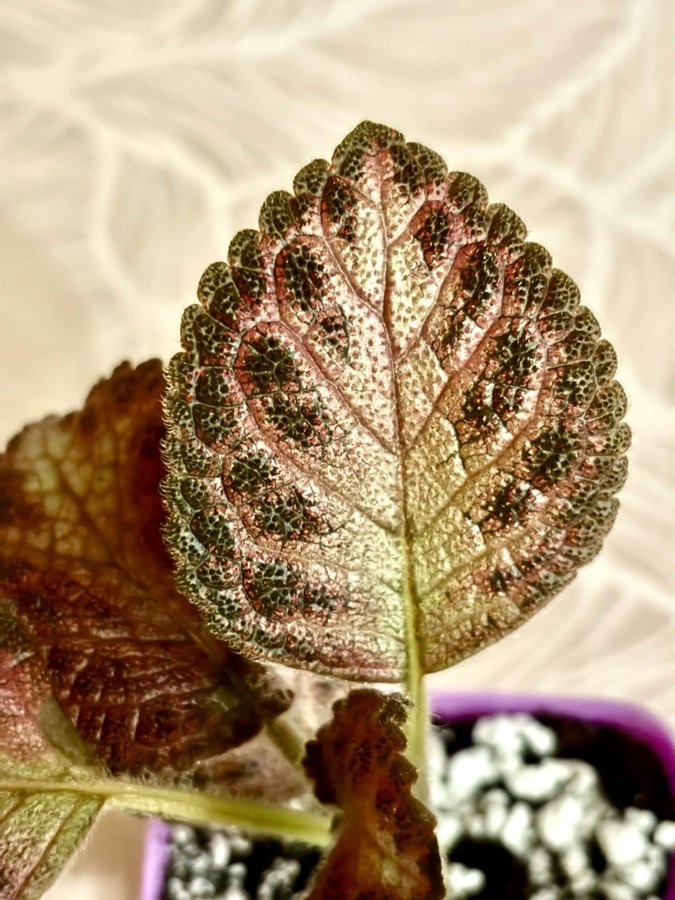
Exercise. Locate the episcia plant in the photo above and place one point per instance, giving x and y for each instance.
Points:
(391, 436)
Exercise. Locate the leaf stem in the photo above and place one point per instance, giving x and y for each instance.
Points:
(192, 806)
(416, 733)
(289, 743)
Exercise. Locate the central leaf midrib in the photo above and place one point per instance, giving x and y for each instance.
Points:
(413, 672)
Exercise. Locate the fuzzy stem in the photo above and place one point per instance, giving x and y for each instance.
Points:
(288, 742)
(193, 807)
(416, 733)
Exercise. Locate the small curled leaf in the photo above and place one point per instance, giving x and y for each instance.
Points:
(386, 848)
(394, 432)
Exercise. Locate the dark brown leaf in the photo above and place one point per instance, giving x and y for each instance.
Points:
(268, 766)
(83, 564)
(39, 828)
(386, 848)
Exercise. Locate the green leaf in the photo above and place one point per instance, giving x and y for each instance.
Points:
(394, 432)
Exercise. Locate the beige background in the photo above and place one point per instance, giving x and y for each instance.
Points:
(138, 137)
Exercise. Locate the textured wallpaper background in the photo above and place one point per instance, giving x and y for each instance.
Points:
(138, 137)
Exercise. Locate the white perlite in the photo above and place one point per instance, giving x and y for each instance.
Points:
(469, 770)
(621, 842)
(282, 873)
(548, 813)
(518, 834)
(565, 820)
(540, 866)
(234, 889)
(664, 836)
(463, 882)
(515, 732)
(547, 893)
(538, 782)
(220, 850)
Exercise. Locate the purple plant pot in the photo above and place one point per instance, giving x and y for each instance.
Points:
(457, 708)
(626, 717)
(155, 860)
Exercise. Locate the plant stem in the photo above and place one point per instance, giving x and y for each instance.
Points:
(416, 732)
(290, 824)
(193, 807)
(289, 743)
